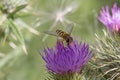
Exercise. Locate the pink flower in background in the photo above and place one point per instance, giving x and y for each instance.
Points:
(111, 19)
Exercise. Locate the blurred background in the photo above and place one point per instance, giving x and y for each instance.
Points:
(39, 16)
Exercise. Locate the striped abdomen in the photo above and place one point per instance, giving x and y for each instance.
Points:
(62, 34)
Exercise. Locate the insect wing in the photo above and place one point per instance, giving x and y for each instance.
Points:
(51, 33)
(69, 28)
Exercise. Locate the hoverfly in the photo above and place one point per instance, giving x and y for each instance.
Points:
(62, 34)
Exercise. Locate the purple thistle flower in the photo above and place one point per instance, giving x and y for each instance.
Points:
(67, 59)
(110, 19)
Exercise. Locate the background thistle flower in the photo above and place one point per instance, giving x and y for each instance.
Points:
(108, 46)
(64, 62)
(111, 19)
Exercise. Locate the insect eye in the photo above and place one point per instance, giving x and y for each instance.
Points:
(67, 40)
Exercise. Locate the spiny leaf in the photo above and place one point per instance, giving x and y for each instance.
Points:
(108, 55)
(17, 33)
(18, 8)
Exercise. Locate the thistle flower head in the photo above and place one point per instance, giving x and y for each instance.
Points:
(67, 59)
(110, 19)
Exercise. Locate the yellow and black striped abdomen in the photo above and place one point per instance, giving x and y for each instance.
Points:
(65, 36)
(62, 34)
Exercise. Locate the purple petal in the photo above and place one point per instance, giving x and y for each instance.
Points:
(64, 59)
(111, 21)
